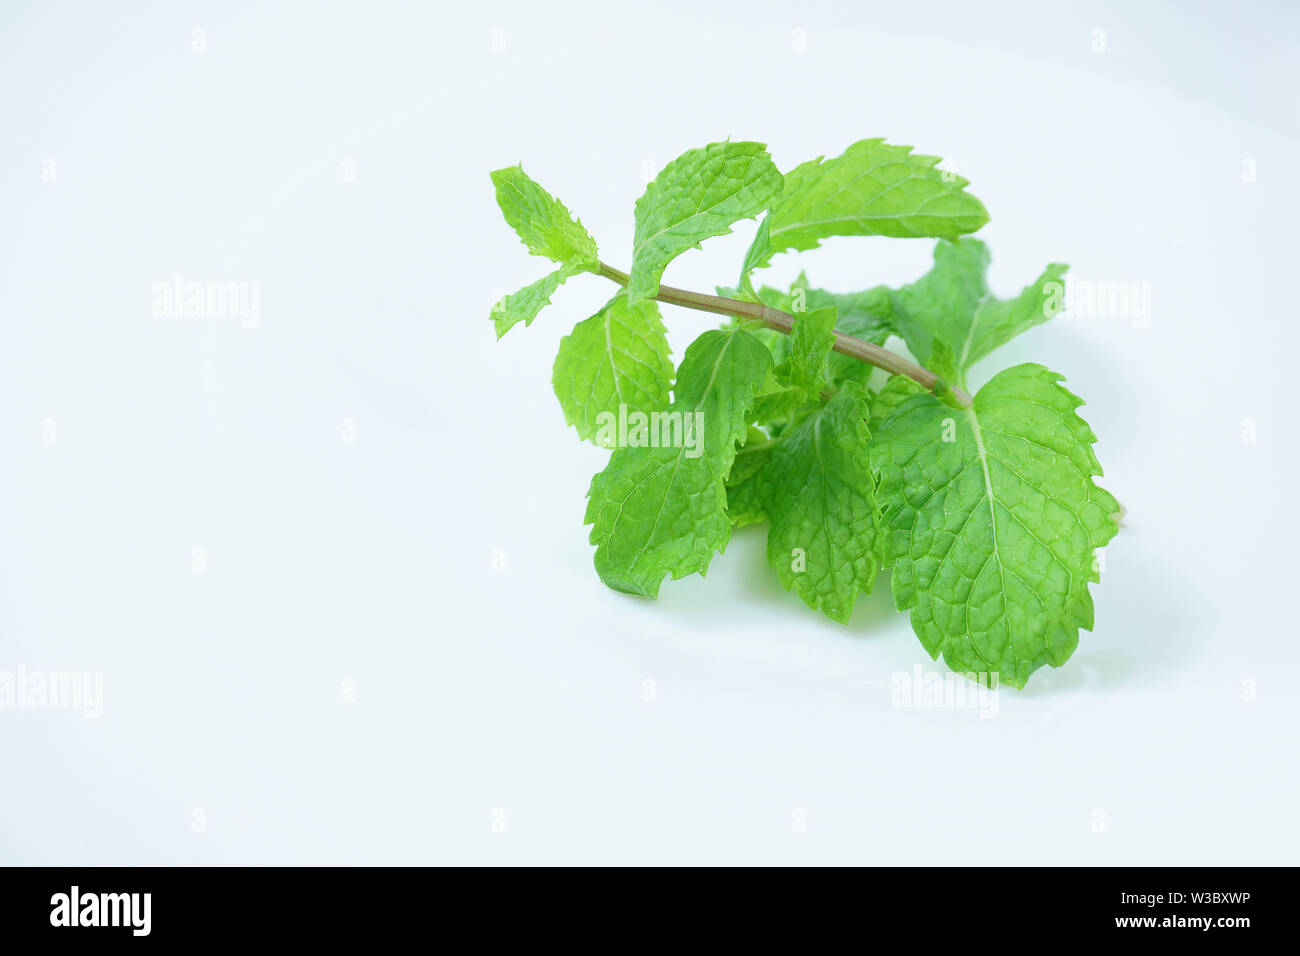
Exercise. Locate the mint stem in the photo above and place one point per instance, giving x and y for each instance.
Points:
(784, 322)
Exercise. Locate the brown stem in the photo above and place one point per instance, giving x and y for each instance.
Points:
(784, 322)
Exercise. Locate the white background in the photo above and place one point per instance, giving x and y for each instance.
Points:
(517, 696)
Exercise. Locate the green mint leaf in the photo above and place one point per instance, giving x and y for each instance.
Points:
(523, 306)
(662, 510)
(545, 226)
(948, 317)
(811, 341)
(865, 315)
(760, 251)
(696, 196)
(897, 389)
(873, 189)
(819, 493)
(993, 521)
(744, 494)
(614, 363)
(776, 398)
(778, 343)
(799, 373)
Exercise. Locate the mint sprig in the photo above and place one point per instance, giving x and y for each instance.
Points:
(984, 508)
